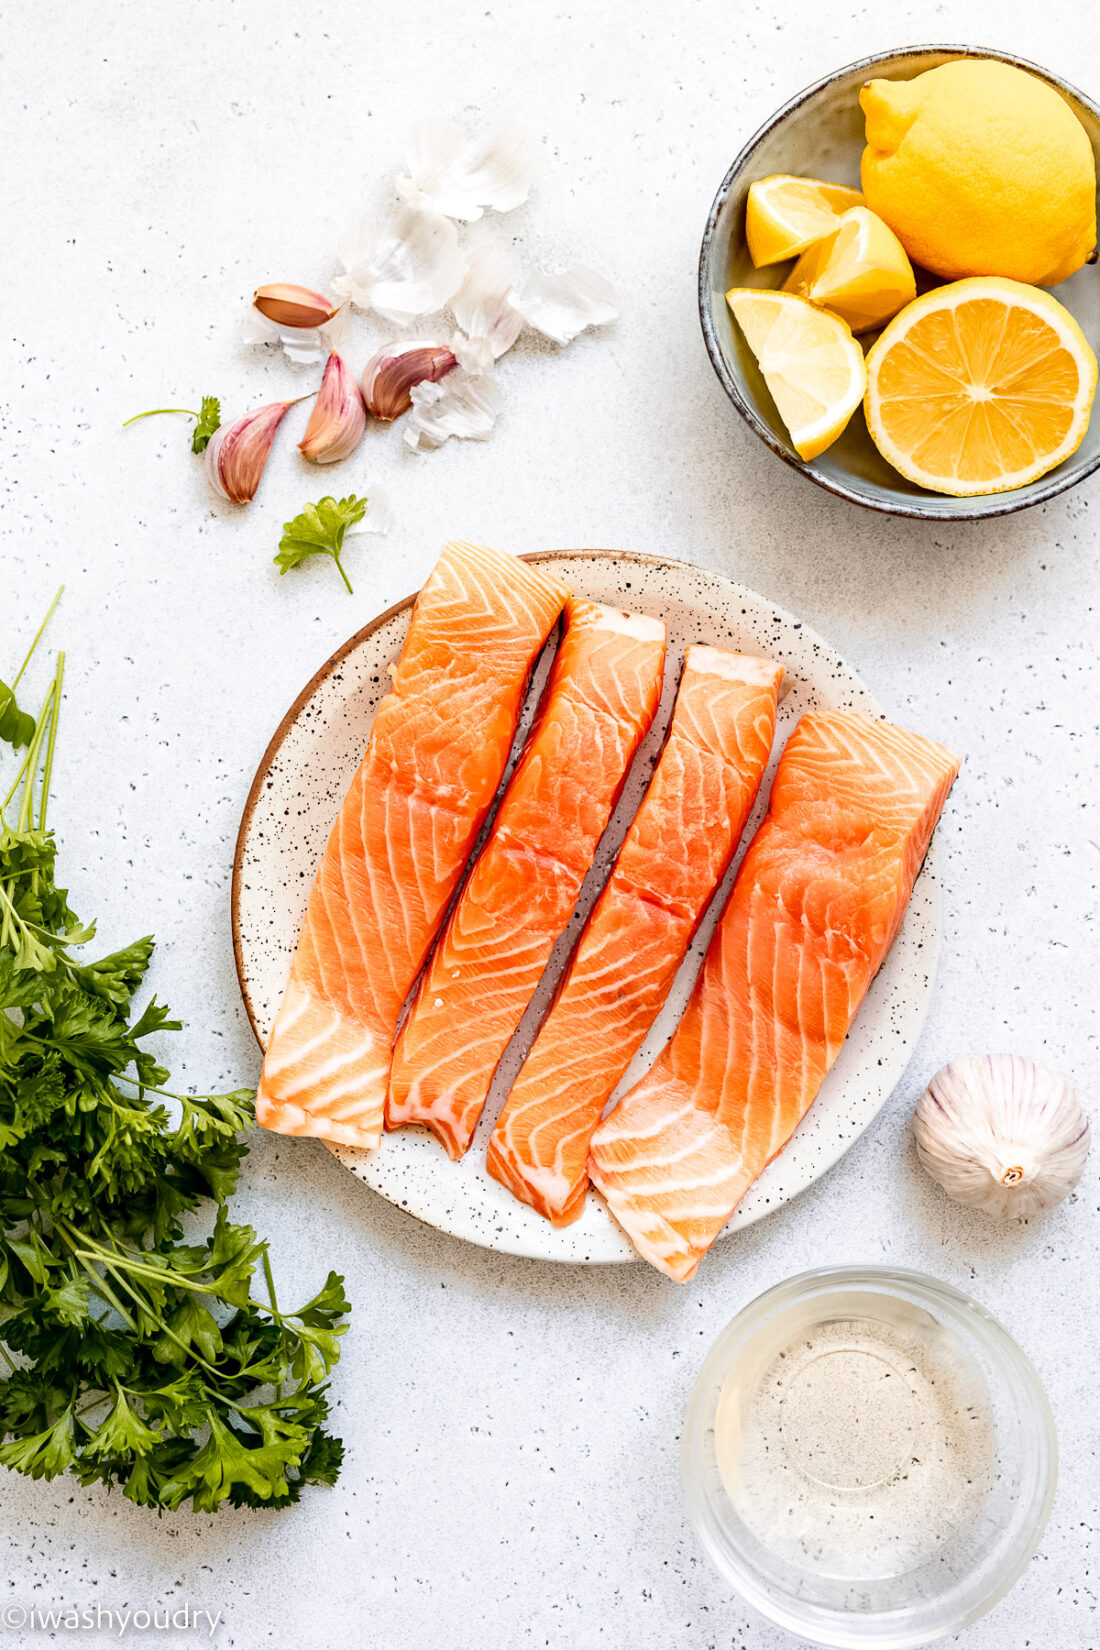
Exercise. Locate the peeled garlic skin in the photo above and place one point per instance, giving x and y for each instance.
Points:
(1002, 1134)
(338, 419)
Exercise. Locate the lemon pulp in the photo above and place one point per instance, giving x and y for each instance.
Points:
(810, 362)
(860, 272)
(980, 387)
(784, 215)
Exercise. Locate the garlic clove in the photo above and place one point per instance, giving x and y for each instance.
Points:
(389, 376)
(463, 405)
(1002, 1134)
(339, 417)
(561, 306)
(293, 306)
(481, 305)
(411, 266)
(459, 176)
(236, 453)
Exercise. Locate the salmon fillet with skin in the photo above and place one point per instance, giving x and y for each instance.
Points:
(602, 696)
(673, 857)
(817, 902)
(437, 751)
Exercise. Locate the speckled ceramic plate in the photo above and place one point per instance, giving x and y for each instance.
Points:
(293, 802)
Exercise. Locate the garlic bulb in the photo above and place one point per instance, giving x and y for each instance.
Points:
(1003, 1134)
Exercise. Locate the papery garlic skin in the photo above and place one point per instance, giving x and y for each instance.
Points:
(481, 305)
(474, 355)
(463, 405)
(411, 266)
(379, 516)
(338, 419)
(1002, 1134)
(236, 453)
(389, 376)
(561, 306)
(459, 176)
(293, 306)
(304, 346)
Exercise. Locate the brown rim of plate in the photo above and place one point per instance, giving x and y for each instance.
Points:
(332, 663)
(1005, 503)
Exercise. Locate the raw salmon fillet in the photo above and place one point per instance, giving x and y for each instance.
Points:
(435, 758)
(817, 902)
(675, 854)
(601, 698)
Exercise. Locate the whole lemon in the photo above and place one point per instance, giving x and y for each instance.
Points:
(981, 169)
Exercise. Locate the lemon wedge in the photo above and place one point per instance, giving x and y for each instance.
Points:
(860, 272)
(980, 387)
(811, 363)
(784, 215)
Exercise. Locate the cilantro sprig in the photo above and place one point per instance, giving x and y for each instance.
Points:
(133, 1357)
(319, 531)
(207, 420)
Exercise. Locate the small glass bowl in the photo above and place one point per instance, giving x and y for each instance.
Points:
(892, 1601)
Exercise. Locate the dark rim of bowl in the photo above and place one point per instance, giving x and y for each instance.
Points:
(999, 504)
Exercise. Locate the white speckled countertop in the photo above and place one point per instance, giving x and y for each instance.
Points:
(512, 1428)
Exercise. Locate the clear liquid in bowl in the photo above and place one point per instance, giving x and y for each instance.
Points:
(856, 1445)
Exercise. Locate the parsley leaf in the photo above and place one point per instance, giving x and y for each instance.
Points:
(319, 530)
(16, 726)
(135, 1358)
(208, 420)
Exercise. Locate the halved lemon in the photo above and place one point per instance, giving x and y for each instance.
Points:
(979, 387)
(860, 272)
(783, 215)
(811, 363)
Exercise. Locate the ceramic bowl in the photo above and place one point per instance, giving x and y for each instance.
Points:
(819, 134)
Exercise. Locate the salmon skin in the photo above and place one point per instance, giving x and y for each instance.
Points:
(673, 857)
(600, 700)
(817, 902)
(434, 760)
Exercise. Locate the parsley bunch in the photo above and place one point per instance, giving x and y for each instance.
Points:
(134, 1357)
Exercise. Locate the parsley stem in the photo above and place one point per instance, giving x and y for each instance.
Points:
(37, 639)
(26, 807)
(155, 412)
(343, 575)
(52, 741)
(102, 1287)
(122, 1262)
(147, 1088)
(29, 762)
(271, 1284)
